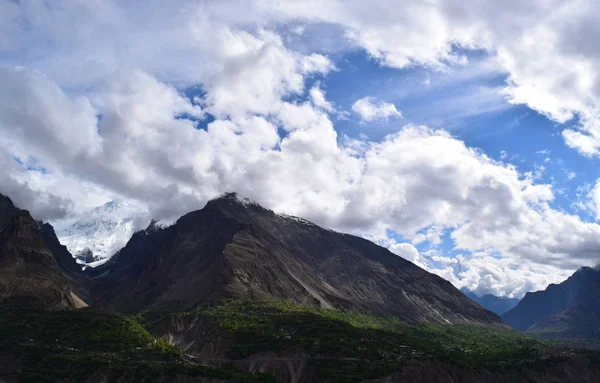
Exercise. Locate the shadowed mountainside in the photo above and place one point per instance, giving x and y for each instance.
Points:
(237, 249)
(29, 274)
(69, 267)
(498, 305)
(567, 310)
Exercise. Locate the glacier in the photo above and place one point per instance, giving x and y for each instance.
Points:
(103, 230)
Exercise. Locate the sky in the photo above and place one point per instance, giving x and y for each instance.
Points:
(462, 135)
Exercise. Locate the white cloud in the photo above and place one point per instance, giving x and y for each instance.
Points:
(595, 197)
(418, 182)
(317, 97)
(99, 106)
(369, 109)
(548, 52)
(17, 183)
(486, 274)
(410, 253)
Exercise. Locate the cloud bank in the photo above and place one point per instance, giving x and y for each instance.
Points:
(172, 105)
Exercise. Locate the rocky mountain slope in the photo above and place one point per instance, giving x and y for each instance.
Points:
(234, 248)
(68, 266)
(570, 309)
(498, 305)
(102, 231)
(29, 274)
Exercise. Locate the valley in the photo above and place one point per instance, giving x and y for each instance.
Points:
(237, 293)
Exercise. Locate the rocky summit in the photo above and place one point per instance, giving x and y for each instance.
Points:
(234, 248)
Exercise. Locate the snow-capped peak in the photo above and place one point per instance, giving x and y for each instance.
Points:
(104, 229)
(110, 206)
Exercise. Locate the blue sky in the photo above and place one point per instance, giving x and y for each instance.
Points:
(466, 101)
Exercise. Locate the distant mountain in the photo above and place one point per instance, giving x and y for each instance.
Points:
(102, 231)
(235, 248)
(570, 309)
(30, 277)
(499, 305)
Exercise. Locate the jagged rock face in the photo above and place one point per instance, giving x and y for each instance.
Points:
(68, 266)
(86, 256)
(233, 248)
(29, 274)
(569, 309)
(63, 258)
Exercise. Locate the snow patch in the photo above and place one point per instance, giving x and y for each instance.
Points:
(104, 229)
(296, 219)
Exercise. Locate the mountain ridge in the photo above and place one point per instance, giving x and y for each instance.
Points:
(568, 309)
(234, 248)
(30, 276)
(496, 304)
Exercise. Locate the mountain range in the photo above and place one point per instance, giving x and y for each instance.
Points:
(498, 305)
(235, 292)
(107, 228)
(570, 309)
(237, 249)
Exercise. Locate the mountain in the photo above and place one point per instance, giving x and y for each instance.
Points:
(233, 248)
(70, 269)
(498, 305)
(29, 274)
(103, 230)
(567, 310)
(291, 284)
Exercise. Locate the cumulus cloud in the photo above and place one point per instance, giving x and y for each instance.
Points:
(418, 182)
(16, 183)
(317, 96)
(410, 253)
(548, 52)
(102, 107)
(369, 109)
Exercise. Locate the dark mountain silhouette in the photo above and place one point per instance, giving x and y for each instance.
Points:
(68, 266)
(29, 274)
(498, 305)
(569, 309)
(234, 248)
